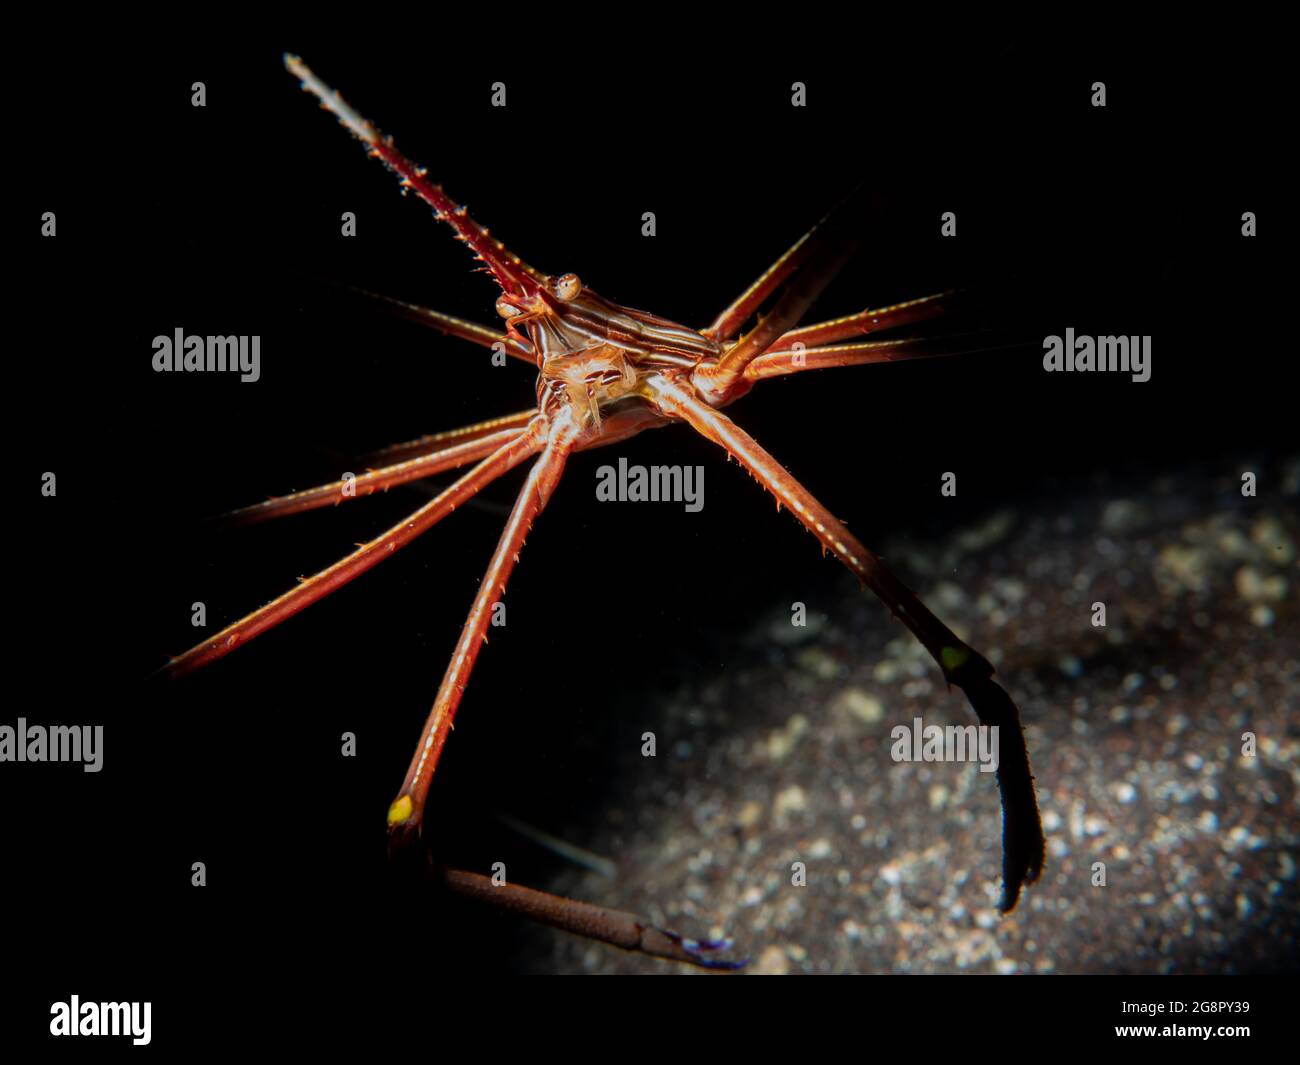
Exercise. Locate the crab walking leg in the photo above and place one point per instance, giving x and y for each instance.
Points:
(722, 380)
(427, 445)
(364, 484)
(449, 325)
(364, 558)
(618, 427)
(512, 273)
(728, 323)
(1022, 834)
(615, 927)
(406, 813)
(778, 363)
(677, 401)
(869, 321)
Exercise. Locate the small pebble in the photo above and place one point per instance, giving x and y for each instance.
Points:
(791, 800)
(862, 705)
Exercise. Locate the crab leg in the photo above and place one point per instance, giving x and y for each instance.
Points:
(434, 442)
(512, 273)
(364, 484)
(868, 321)
(616, 927)
(1022, 831)
(618, 427)
(406, 813)
(728, 323)
(722, 380)
(449, 325)
(777, 363)
(364, 558)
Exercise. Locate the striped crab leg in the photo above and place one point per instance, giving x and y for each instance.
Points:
(448, 438)
(875, 320)
(433, 454)
(406, 813)
(1022, 833)
(366, 557)
(779, 363)
(450, 325)
(728, 323)
(380, 480)
(618, 928)
(821, 258)
(514, 276)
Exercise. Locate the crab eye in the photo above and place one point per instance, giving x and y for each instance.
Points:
(568, 287)
(507, 309)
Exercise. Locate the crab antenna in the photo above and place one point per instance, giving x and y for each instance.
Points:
(513, 275)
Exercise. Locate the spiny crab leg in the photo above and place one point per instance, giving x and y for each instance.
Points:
(433, 442)
(513, 275)
(779, 363)
(449, 325)
(869, 321)
(617, 427)
(503, 454)
(364, 484)
(1022, 830)
(364, 558)
(406, 814)
(723, 380)
(615, 927)
(728, 323)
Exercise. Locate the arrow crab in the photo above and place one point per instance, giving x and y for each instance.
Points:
(606, 373)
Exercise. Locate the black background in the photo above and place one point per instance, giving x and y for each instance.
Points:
(226, 219)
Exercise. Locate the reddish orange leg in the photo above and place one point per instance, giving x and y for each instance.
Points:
(615, 927)
(514, 275)
(364, 484)
(817, 256)
(868, 321)
(406, 814)
(725, 380)
(778, 363)
(364, 558)
(1022, 834)
(427, 445)
(728, 323)
(449, 325)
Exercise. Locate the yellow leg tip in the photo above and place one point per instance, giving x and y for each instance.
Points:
(400, 810)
